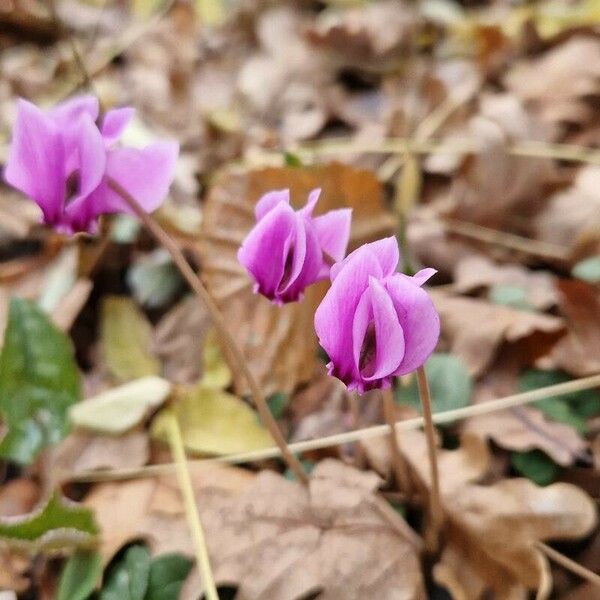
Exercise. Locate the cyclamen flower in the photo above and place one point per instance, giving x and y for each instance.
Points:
(288, 250)
(375, 323)
(63, 161)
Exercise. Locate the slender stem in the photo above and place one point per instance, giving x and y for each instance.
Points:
(191, 509)
(218, 320)
(398, 461)
(447, 416)
(569, 564)
(437, 515)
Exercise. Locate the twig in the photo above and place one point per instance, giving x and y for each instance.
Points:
(437, 515)
(398, 461)
(191, 510)
(569, 564)
(225, 337)
(366, 433)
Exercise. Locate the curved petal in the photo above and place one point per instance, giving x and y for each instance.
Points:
(145, 173)
(114, 123)
(263, 252)
(334, 317)
(333, 232)
(418, 318)
(298, 249)
(36, 161)
(69, 112)
(386, 251)
(312, 262)
(389, 337)
(269, 201)
(313, 198)
(422, 276)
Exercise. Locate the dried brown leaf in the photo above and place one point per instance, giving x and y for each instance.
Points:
(475, 329)
(279, 343)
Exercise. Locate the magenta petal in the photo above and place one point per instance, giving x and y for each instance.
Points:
(313, 198)
(69, 112)
(333, 232)
(36, 161)
(335, 315)
(269, 201)
(146, 174)
(265, 248)
(418, 318)
(423, 276)
(385, 251)
(115, 122)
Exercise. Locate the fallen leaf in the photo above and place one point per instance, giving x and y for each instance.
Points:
(475, 329)
(474, 272)
(578, 352)
(214, 422)
(80, 575)
(278, 342)
(88, 452)
(116, 410)
(56, 526)
(17, 497)
(126, 337)
(39, 382)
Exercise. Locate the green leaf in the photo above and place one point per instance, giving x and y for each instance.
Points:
(277, 403)
(154, 279)
(535, 465)
(128, 579)
(572, 408)
(213, 422)
(588, 270)
(126, 336)
(167, 575)
(39, 381)
(117, 410)
(509, 295)
(449, 383)
(291, 159)
(58, 525)
(80, 575)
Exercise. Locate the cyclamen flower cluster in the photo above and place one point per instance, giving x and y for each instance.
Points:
(374, 322)
(64, 161)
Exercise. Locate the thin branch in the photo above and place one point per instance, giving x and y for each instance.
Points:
(448, 416)
(569, 564)
(437, 513)
(191, 510)
(225, 337)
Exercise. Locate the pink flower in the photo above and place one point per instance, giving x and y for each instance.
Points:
(288, 250)
(375, 323)
(62, 160)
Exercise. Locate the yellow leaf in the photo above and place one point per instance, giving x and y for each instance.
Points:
(216, 372)
(119, 409)
(125, 336)
(214, 422)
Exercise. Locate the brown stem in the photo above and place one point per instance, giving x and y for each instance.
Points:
(437, 515)
(398, 461)
(163, 238)
(569, 564)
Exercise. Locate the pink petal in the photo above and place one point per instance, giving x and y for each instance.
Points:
(313, 198)
(115, 122)
(269, 201)
(36, 161)
(265, 248)
(385, 251)
(69, 112)
(418, 318)
(423, 276)
(389, 337)
(333, 232)
(334, 317)
(146, 174)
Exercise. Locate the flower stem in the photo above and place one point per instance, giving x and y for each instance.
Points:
(437, 515)
(191, 510)
(218, 320)
(398, 462)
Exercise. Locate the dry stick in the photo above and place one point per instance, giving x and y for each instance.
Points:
(163, 238)
(191, 510)
(398, 460)
(447, 416)
(569, 564)
(437, 515)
